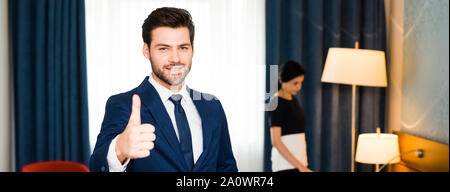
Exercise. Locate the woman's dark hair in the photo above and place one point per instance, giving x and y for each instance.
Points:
(289, 70)
(167, 17)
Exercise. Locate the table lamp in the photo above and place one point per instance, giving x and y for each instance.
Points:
(354, 67)
(377, 148)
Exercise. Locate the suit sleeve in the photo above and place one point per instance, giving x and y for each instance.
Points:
(226, 161)
(114, 122)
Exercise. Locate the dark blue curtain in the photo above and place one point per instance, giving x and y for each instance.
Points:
(304, 30)
(50, 84)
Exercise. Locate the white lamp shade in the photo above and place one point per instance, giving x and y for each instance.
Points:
(355, 67)
(375, 148)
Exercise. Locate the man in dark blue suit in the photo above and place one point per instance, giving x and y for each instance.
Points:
(162, 125)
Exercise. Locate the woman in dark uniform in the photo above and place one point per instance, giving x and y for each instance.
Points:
(287, 122)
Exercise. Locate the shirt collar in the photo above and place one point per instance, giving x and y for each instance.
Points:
(165, 93)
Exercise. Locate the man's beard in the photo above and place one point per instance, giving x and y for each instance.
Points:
(167, 78)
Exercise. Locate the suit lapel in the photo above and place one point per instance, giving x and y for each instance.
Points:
(202, 109)
(152, 102)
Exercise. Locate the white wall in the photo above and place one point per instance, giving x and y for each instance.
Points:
(394, 23)
(5, 142)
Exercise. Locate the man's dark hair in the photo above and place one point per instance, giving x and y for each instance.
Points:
(167, 17)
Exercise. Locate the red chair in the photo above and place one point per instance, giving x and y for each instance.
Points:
(55, 166)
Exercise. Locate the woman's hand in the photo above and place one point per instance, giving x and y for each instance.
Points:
(304, 169)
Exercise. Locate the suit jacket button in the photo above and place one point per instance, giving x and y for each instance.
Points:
(102, 169)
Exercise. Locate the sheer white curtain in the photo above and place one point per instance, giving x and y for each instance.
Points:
(6, 142)
(228, 61)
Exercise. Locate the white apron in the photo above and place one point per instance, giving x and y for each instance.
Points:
(296, 143)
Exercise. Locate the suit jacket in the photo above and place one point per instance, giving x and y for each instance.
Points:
(166, 156)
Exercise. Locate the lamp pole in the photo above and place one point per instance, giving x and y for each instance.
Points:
(377, 166)
(353, 125)
(354, 118)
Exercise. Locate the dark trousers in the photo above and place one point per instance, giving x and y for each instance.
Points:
(289, 170)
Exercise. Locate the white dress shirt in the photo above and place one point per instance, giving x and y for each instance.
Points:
(192, 115)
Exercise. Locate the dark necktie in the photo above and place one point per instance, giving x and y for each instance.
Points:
(184, 131)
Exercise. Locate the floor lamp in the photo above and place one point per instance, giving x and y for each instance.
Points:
(354, 67)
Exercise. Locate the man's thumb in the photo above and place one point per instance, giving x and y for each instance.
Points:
(135, 117)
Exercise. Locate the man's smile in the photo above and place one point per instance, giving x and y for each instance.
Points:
(175, 69)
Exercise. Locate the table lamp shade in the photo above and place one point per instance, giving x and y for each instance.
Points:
(355, 67)
(376, 148)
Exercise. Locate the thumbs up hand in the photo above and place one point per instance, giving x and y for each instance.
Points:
(136, 140)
